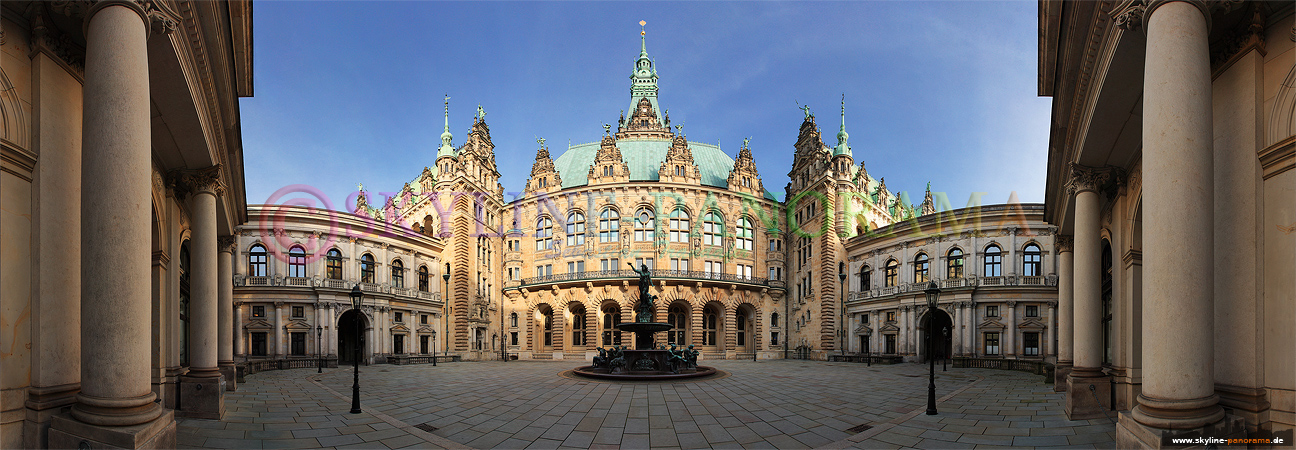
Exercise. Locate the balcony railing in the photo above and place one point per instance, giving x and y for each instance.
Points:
(656, 273)
(330, 283)
(955, 283)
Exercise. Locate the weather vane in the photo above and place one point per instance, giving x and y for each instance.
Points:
(541, 141)
(607, 129)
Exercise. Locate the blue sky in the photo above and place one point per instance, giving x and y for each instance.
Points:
(351, 92)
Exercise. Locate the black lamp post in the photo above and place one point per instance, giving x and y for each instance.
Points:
(933, 295)
(445, 311)
(356, 297)
(944, 354)
(319, 348)
(841, 321)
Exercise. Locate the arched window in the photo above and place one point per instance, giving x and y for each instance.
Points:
(333, 263)
(546, 317)
(712, 229)
(774, 320)
(609, 225)
(423, 279)
(954, 264)
(744, 238)
(513, 320)
(578, 325)
(741, 321)
(297, 262)
(611, 317)
(993, 261)
(645, 225)
(1031, 261)
(865, 275)
(544, 233)
(679, 225)
(575, 229)
(892, 273)
(710, 325)
(678, 319)
(398, 274)
(367, 268)
(257, 261)
(921, 268)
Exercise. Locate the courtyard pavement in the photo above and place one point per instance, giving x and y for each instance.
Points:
(533, 404)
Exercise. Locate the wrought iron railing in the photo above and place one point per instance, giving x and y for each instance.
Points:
(590, 275)
(954, 283)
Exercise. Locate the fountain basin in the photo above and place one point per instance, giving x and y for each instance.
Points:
(643, 332)
(644, 365)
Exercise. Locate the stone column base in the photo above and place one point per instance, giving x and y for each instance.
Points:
(66, 432)
(43, 403)
(230, 374)
(1060, 373)
(202, 397)
(1080, 397)
(1131, 434)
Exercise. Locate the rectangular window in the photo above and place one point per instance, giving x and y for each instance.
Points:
(258, 311)
(400, 317)
(774, 338)
(992, 311)
(298, 344)
(713, 269)
(398, 343)
(258, 344)
(890, 344)
(1032, 310)
(992, 343)
(423, 319)
(610, 264)
(1030, 344)
(575, 266)
(639, 262)
(513, 338)
(299, 311)
(891, 316)
(544, 271)
(423, 344)
(679, 264)
(744, 271)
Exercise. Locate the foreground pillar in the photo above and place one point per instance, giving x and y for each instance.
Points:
(225, 334)
(1178, 307)
(1065, 316)
(115, 407)
(1088, 388)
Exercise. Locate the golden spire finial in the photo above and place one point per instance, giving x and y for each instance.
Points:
(641, 30)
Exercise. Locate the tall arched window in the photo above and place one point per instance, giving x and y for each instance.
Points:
(993, 261)
(1031, 261)
(710, 325)
(297, 262)
(611, 317)
(678, 318)
(921, 268)
(578, 325)
(423, 278)
(257, 261)
(546, 317)
(645, 225)
(367, 268)
(398, 274)
(575, 229)
(741, 322)
(712, 229)
(865, 275)
(954, 264)
(333, 263)
(513, 320)
(744, 238)
(544, 233)
(774, 320)
(892, 273)
(609, 225)
(679, 225)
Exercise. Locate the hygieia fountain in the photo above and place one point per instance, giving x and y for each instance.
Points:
(645, 361)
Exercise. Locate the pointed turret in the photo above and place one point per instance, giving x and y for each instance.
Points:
(544, 176)
(928, 205)
(608, 165)
(744, 177)
(842, 147)
(646, 119)
(447, 149)
(679, 166)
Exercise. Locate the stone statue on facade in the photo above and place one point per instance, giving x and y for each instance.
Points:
(643, 310)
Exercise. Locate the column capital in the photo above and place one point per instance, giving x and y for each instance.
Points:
(278, 304)
(1064, 243)
(1095, 179)
(1134, 15)
(226, 244)
(159, 18)
(196, 181)
(1011, 304)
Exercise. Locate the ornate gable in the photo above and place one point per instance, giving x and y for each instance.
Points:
(991, 324)
(644, 123)
(608, 166)
(544, 176)
(744, 178)
(679, 166)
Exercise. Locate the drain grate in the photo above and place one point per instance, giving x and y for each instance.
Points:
(859, 428)
(426, 427)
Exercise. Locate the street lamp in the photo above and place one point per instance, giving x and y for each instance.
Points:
(933, 296)
(356, 297)
(841, 321)
(319, 347)
(445, 312)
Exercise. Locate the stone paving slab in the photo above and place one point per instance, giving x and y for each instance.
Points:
(760, 404)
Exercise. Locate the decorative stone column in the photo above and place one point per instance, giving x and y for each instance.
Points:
(1087, 379)
(1010, 341)
(202, 389)
(1178, 191)
(115, 407)
(969, 321)
(1048, 347)
(225, 332)
(276, 348)
(1065, 320)
(238, 332)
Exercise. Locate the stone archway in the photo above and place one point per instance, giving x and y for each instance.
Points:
(351, 333)
(942, 347)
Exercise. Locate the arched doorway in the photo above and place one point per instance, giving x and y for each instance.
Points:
(745, 329)
(943, 327)
(351, 333)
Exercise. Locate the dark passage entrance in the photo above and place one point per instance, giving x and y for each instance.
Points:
(350, 335)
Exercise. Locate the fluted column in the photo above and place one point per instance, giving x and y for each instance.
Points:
(115, 201)
(1178, 307)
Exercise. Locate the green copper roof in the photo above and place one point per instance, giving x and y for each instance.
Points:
(645, 157)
